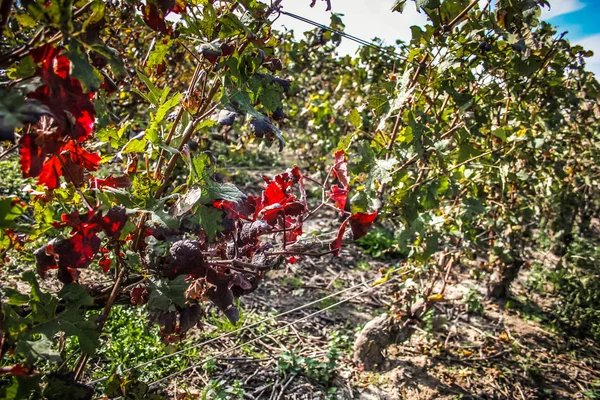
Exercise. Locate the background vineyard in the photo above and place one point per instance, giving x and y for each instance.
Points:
(202, 207)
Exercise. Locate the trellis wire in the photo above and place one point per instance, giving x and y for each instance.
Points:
(360, 41)
(224, 352)
(271, 318)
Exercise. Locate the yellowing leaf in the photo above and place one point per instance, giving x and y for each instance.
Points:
(466, 353)
(385, 278)
(436, 297)
(355, 118)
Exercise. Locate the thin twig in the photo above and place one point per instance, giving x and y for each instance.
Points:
(289, 381)
(456, 20)
(80, 366)
(294, 253)
(406, 164)
(8, 151)
(177, 119)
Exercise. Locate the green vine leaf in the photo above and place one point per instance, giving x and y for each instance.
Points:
(429, 4)
(210, 219)
(165, 293)
(82, 70)
(38, 350)
(221, 191)
(157, 55)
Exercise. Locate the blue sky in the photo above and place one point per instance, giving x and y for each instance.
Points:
(369, 18)
(581, 18)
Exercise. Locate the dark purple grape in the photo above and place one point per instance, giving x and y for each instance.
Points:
(210, 52)
(278, 114)
(226, 117)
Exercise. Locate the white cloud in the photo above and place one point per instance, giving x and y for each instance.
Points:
(561, 7)
(591, 43)
(364, 19)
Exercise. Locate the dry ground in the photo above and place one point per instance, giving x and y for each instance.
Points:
(506, 352)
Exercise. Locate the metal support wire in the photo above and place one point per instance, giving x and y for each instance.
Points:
(360, 41)
(224, 352)
(272, 318)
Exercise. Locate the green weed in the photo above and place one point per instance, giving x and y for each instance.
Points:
(292, 281)
(130, 342)
(319, 371)
(378, 242)
(575, 282)
(328, 303)
(221, 390)
(363, 265)
(474, 302)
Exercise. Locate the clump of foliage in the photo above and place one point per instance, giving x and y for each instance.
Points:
(220, 390)
(130, 342)
(575, 282)
(471, 138)
(112, 109)
(11, 182)
(465, 140)
(377, 242)
(473, 302)
(314, 369)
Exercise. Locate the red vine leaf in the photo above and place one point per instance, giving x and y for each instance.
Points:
(44, 260)
(339, 196)
(361, 222)
(274, 193)
(52, 155)
(70, 160)
(270, 213)
(122, 182)
(139, 295)
(293, 228)
(336, 245)
(185, 258)
(78, 251)
(72, 109)
(74, 161)
(340, 168)
(51, 173)
(221, 295)
(32, 156)
(17, 369)
(189, 317)
(75, 219)
(114, 221)
(105, 263)
(155, 18)
(277, 199)
(236, 211)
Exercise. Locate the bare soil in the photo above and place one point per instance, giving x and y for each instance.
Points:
(502, 353)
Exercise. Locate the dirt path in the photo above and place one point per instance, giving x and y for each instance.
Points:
(468, 348)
